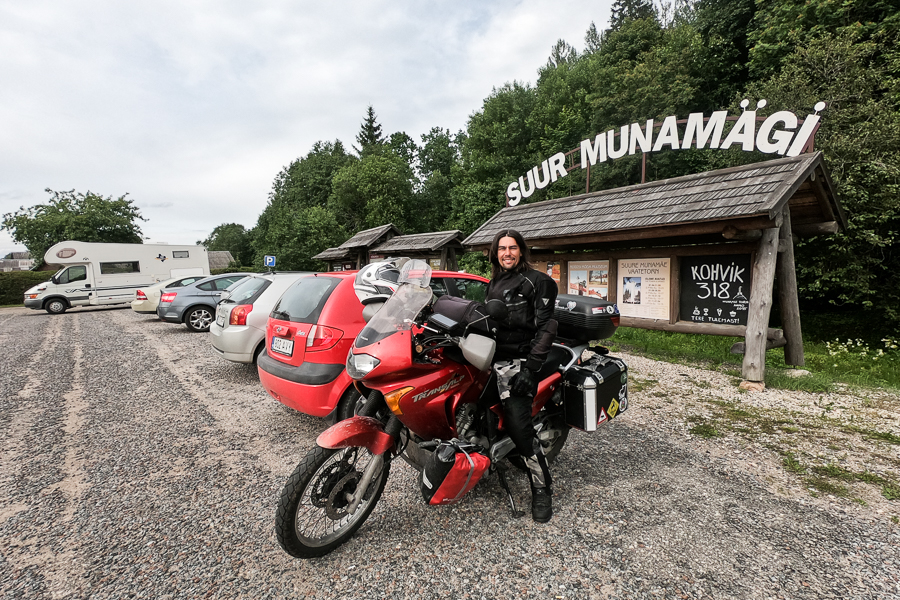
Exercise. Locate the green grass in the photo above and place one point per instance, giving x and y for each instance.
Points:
(714, 352)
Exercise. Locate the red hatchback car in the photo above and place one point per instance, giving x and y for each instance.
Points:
(310, 332)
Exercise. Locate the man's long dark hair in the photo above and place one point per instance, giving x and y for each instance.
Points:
(524, 260)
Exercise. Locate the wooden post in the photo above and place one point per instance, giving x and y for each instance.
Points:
(674, 288)
(612, 288)
(763, 282)
(563, 285)
(787, 296)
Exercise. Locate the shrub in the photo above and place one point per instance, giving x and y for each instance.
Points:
(14, 283)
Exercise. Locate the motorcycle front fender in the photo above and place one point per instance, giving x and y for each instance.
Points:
(365, 432)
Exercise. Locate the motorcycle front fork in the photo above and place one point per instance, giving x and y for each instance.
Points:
(392, 428)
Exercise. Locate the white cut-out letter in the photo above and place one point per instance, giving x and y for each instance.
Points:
(592, 153)
(530, 189)
(611, 141)
(782, 138)
(806, 130)
(668, 134)
(538, 182)
(557, 166)
(744, 131)
(513, 194)
(695, 128)
(644, 138)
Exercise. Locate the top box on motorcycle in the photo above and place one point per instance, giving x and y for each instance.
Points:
(583, 318)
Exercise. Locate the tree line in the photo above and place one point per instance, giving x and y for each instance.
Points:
(652, 62)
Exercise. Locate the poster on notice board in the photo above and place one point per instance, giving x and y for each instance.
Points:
(589, 278)
(643, 288)
(551, 268)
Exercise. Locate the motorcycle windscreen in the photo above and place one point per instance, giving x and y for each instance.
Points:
(397, 314)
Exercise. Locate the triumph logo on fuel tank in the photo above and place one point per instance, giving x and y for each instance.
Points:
(775, 135)
(452, 383)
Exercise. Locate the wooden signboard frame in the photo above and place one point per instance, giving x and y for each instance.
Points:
(771, 254)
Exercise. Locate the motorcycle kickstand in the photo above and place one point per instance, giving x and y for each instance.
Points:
(516, 513)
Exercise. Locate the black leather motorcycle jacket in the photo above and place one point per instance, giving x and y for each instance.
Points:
(529, 329)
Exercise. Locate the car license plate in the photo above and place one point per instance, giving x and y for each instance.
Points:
(220, 320)
(283, 346)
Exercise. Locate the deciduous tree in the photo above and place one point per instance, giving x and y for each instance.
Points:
(74, 216)
(235, 239)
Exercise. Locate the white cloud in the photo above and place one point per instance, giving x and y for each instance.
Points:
(193, 108)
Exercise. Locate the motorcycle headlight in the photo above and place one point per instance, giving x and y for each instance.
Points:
(360, 365)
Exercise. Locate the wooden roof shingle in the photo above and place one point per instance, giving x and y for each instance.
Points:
(369, 236)
(334, 254)
(747, 196)
(419, 242)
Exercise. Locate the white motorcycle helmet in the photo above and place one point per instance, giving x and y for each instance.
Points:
(378, 279)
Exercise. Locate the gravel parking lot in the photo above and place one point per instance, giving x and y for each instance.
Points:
(136, 463)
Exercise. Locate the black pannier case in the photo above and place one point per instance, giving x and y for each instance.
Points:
(595, 392)
(585, 318)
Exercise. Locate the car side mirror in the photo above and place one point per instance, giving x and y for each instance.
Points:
(54, 280)
(497, 309)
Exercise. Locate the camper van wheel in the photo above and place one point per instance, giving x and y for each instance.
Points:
(198, 319)
(56, 306)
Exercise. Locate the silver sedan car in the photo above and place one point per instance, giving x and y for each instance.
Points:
(239, 330)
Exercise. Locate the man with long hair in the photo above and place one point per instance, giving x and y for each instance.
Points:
(524, 339)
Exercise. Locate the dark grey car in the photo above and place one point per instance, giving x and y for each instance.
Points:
(195, 304)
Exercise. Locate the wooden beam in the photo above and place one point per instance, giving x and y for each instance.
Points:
(749, 235)
(657, 232)
(788, 301)
(695, 328)
(733, 248)
(763, 282)
(811, 229)
(738, 347)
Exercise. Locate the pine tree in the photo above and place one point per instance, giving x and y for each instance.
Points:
(369, 136)
(629, 10)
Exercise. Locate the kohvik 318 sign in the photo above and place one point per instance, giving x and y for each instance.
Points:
(775, 135)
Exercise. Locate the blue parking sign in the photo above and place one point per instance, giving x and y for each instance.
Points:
(269, 261)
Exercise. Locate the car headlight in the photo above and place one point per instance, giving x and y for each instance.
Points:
(360, 365)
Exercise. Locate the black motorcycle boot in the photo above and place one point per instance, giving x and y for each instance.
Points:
(541, 504)
(541, 493)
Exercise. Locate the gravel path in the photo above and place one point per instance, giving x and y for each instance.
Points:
(136, 463)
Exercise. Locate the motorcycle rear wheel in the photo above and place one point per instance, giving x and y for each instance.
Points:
(312, 519)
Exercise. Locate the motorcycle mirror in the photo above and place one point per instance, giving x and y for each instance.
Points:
(379, 299)
(497, 309)
(370, 309)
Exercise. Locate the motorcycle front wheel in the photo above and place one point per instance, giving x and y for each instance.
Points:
(313, 517)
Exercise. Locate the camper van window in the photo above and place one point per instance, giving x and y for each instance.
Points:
(73, 274)
(113, 268)
(180, 254)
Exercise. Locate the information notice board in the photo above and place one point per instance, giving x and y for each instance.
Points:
(715, 289)
(643, 288)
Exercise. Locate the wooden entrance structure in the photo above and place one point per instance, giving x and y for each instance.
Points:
(650, 247)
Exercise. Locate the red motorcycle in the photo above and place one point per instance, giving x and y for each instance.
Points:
(423, 367)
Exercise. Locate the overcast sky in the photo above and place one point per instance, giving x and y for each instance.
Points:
(192, 108)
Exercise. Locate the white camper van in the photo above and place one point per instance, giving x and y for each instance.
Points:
(96, 274)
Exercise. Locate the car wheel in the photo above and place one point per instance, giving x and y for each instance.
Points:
(56, 306)
(349, 404)
(258, 351)
(198, 319)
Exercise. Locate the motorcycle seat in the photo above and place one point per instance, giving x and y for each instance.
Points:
(556, 358)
